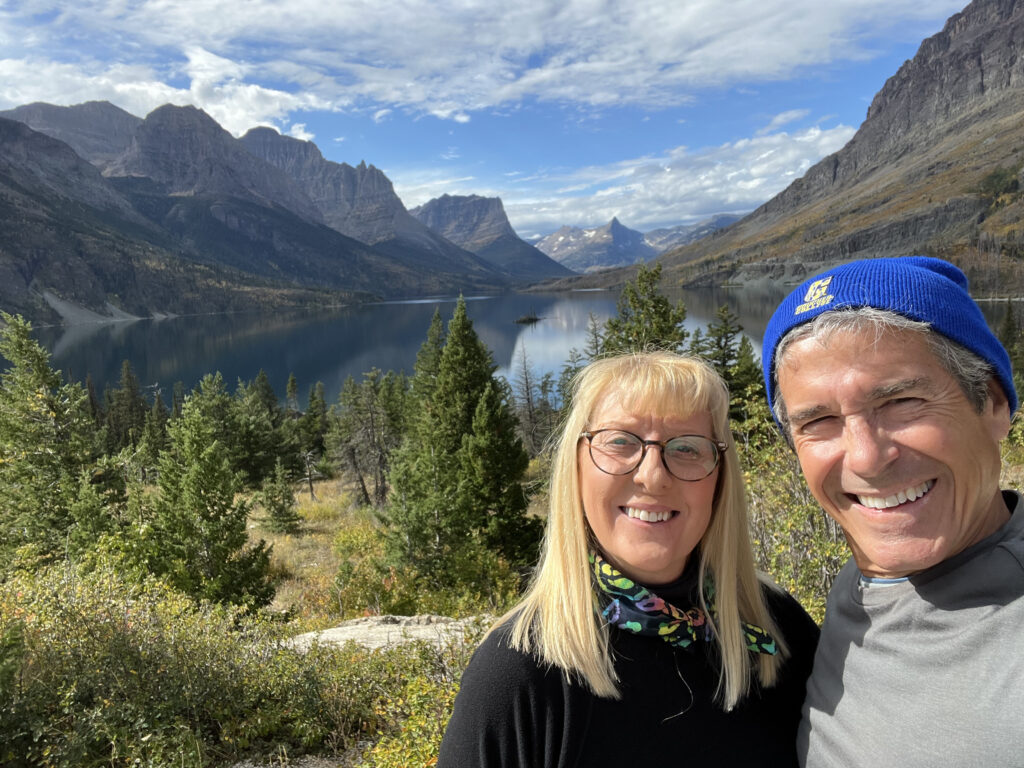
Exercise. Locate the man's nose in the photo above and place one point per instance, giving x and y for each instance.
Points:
(868, 450)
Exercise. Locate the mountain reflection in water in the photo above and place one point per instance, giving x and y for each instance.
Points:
(329, 345)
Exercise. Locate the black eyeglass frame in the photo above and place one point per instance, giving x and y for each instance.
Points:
(718, 445)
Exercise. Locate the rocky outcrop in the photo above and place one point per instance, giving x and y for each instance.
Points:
(48, 166)
(480, 224)
(360, 202)
(672, 237)
(470, 221)
(187, 152)
(585, 250)
(96, 130)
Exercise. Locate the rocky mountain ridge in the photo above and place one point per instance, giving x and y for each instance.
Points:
(584, 250)
(480, 224)
(360, 202)
(909, 179)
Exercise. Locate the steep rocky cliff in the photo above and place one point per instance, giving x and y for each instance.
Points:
(909, 181)
(186, 152)
(97, 130)
(480, 224)
(361, 203)
(72, 247)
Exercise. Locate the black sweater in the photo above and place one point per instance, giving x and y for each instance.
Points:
(514, 711)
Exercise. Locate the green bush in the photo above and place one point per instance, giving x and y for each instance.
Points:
(96, 670)
(794, 540)
(369, 583)
(414, 718)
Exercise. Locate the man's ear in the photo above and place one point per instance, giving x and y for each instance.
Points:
(998, 408)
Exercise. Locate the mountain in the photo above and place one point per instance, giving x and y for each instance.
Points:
(75, 249)
(183, 200)
(186, 153)
(97, 130)
(673, 237)
(361, 203)
(480, 225)
(935, 168)
(585, 250)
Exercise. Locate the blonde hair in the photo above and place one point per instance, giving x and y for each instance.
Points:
(558, 620)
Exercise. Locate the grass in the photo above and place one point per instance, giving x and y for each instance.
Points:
(306, 562)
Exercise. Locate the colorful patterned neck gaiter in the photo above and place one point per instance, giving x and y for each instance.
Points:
(634, 608)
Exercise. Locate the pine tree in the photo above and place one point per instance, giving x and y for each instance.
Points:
(46, 445)
(366, 428)
(198, 539)
(126, 411)
(646, 320)
(278, 501)
(432, 522)
(154, 438)
(255, 436)
(313, 424)
(291, 394)
(490, 495)
(427, 365)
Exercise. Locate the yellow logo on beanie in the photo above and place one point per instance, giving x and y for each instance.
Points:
(817, 296)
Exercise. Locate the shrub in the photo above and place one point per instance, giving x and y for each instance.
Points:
(96, 670)
(369, 583)
(414, 717)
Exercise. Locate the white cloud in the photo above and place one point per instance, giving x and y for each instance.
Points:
(681, 187)
(380, 115)
(298, 131)
(263, 59)
(784, 118)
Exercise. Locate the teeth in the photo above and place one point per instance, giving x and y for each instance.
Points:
(648, 517)
(877, 502)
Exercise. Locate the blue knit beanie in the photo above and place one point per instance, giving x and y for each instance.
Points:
(919, 287)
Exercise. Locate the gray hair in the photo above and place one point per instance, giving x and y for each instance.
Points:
(969, 370)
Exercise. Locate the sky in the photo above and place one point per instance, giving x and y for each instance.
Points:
(657, 112)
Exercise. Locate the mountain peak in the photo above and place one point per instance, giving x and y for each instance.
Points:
(479, 224)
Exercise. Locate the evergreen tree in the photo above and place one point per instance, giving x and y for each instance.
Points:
(198, 539)
(154, 438)
(126, 411)
(366, 428)
(646, 320)
(255, 437)
(313, 424)
(432, 521)
(177, 399)
(428, 365)
(465, 369)
(291, 394)
(278, 501)
(490, 495)
(46, 445)
(721, 344)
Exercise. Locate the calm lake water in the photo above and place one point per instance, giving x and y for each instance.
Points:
(329, 345)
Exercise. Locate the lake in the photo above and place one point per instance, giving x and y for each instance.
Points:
(329, 345)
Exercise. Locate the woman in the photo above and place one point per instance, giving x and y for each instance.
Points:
(646, 633)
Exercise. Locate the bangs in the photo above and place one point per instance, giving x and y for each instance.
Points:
(661, 385)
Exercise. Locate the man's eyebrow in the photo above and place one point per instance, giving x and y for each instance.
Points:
(881, 392)
(897, 388)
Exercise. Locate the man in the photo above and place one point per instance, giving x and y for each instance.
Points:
(895, 395)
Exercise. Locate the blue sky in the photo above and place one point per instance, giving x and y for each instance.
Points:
(659, 113)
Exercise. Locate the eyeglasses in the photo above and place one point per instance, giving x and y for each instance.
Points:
(687, 457)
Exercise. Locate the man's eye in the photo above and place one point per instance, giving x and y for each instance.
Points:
(816, 426)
